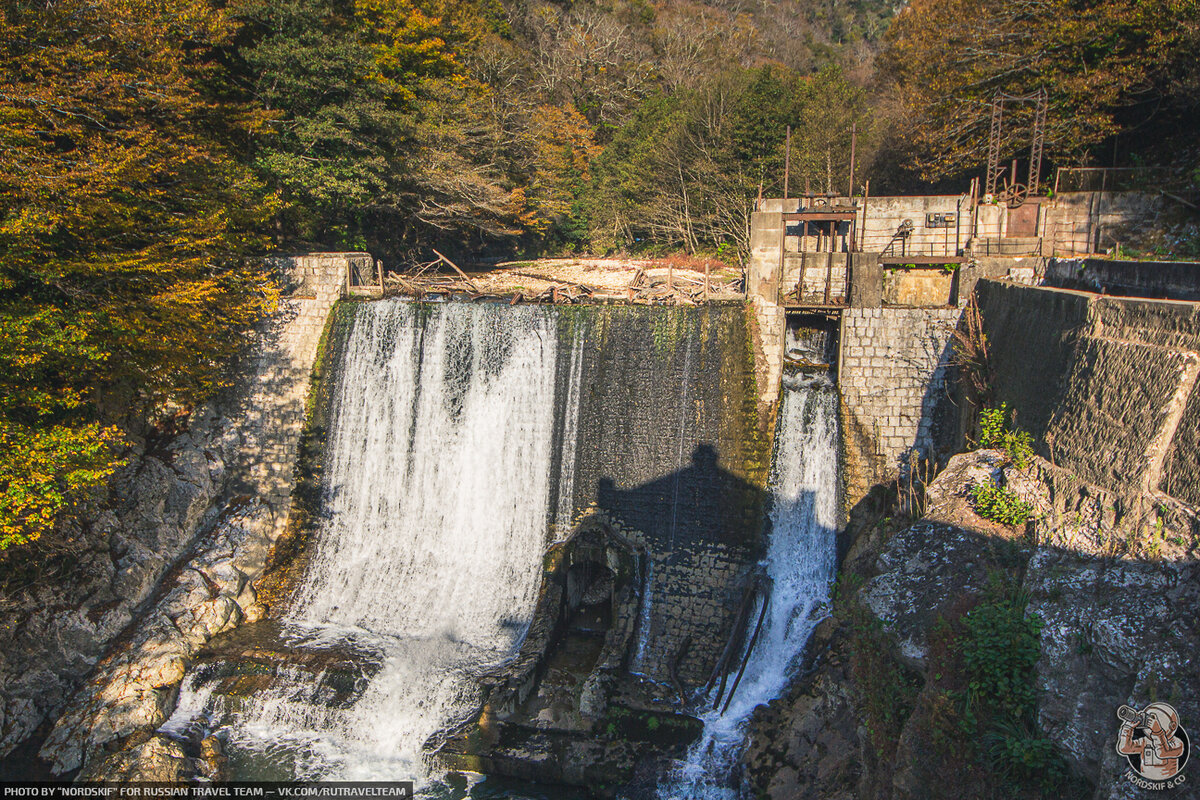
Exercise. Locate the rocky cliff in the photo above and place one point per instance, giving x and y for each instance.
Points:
(174, 543)
(970, 658)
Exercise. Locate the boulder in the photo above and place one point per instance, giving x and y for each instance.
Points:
(922, 570)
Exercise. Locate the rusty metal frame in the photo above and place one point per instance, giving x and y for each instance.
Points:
(995, 171)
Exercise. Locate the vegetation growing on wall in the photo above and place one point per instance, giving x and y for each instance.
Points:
(999, 504)
(995, 432)
(980, 705)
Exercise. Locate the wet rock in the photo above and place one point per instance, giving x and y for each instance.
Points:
(809, 743)
(213, 764)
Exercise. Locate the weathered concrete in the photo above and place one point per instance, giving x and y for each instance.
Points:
(762, 290)
(885, 214)
(1173, 280)
(1107, 386)
(1092, 222)
(918, 287)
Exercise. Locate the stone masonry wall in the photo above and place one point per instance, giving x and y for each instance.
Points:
(274, 400)
(892, 376)
(1107, 385)
(133, 689)
(669, 445)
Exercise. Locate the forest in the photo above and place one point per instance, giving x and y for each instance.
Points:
(154, 150)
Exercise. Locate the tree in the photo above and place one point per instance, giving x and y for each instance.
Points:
(124, 217)
(1106, 65)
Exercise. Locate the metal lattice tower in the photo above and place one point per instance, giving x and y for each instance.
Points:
(994, 170)
(1016, 194)
(1039, 141)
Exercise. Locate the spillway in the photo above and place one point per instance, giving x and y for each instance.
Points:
(800, 563)
(462, 441)
(428, 553)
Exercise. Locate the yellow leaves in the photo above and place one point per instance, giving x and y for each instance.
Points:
(43, 471)
(124, 216)
(564, 147)
(406, 43)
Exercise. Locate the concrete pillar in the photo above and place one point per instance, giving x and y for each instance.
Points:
(866, 280)
(766, 248)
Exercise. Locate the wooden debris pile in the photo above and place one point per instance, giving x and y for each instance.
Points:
(424, 282)
(674, 290)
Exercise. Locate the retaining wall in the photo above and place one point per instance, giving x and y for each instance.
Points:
(1106, 385)
(1174, 280)
(892, 374)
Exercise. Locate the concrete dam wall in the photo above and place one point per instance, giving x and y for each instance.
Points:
(451, 445)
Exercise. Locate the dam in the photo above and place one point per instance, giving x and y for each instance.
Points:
(464, 442)
(503, 549)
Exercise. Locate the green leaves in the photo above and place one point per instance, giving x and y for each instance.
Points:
(995, 433)
(999, 504)
(125, 210)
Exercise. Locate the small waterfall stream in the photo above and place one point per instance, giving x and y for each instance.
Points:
(800, 561)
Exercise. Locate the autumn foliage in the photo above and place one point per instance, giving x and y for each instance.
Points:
(125, 211)
(1109, 67)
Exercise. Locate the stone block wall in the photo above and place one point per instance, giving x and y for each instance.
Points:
(670, 447)
(274, 398)
(1107, 386)
(892, 376)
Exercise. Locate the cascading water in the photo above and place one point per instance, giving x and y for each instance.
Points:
(429, 553)
(800, 562)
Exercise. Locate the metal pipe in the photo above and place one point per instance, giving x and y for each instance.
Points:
(749, 650)
(787, 163)
(853, 143)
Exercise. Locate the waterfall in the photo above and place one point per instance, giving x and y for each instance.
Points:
(429, 549)
(800, 562)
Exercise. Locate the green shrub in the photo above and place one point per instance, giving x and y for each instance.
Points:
(1000, 651)
(1000, 504)
(994, 433)
(885, 691)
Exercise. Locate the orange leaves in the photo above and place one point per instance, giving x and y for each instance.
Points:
(124, 216)
(564, 146)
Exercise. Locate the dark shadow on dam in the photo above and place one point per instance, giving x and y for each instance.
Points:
(697, 504)
(702, 529)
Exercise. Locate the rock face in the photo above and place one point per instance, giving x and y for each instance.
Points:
(58, 633)
(1115, 631)
(216, 496)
